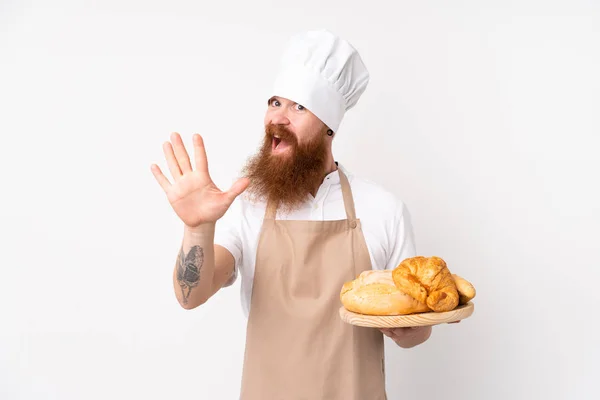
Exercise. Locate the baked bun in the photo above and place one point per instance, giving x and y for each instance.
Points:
(466, 291)
(427, 280)
(373, 292)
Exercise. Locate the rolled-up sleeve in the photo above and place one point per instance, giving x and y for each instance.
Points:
(402, 238)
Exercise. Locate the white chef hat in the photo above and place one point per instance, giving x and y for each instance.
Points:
(322, 72)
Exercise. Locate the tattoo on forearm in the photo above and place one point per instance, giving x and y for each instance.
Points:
(188, 270)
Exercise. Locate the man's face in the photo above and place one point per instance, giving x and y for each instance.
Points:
(291, 161)
(295, 118)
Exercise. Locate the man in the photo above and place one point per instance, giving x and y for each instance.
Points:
(304, 226)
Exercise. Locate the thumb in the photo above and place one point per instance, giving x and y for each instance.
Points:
(237, 188)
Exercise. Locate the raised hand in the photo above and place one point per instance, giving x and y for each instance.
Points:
(193, 195)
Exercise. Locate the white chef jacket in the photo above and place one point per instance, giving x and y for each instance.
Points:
(384, 218)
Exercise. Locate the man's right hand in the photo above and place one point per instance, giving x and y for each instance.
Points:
(193, 195)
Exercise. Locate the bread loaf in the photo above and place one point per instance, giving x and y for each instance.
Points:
(374, 293)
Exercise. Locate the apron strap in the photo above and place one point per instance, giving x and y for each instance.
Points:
(271, 210)
(348, 199)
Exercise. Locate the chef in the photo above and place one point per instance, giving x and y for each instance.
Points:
(295, 227)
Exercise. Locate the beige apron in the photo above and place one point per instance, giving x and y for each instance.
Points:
(297, 347)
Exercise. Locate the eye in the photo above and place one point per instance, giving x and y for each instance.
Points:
(275, 103)
(300, 107)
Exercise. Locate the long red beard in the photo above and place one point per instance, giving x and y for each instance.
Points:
(286, 178)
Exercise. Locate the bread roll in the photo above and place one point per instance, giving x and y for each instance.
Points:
(428, 280)
(374, 293)
(466, 291)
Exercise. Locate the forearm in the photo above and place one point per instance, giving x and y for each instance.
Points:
(193, 276)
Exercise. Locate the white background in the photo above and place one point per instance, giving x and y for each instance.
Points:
(482, 116)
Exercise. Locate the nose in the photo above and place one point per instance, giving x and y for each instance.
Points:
(277, 116)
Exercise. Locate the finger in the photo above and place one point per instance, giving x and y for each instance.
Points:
(160, 178)
(388, 333)
(393, 333)
(181, 153)
(397, 333)
(402, 333)
(237, 188)
(200, 159)
(172, 161)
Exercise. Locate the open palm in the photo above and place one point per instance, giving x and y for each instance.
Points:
(193, 195)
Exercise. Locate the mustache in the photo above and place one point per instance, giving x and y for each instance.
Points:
(280, 131)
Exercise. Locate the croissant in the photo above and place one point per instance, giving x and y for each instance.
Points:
(373, 292)
(428, 280)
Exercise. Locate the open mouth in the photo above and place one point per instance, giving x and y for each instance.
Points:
(279, 144)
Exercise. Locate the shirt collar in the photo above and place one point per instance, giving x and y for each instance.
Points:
(333, 178)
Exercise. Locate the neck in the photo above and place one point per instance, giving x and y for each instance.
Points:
(330, 166)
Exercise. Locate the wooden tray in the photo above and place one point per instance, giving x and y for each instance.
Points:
(401, 321)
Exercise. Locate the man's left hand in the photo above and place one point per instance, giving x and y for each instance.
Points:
(408, 337)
